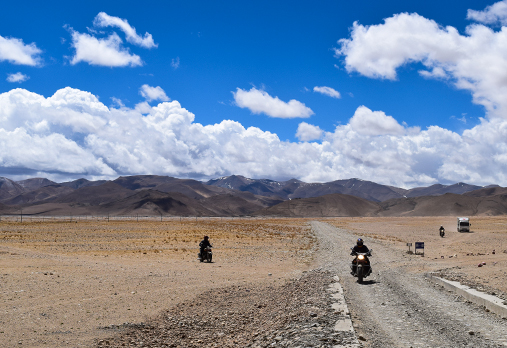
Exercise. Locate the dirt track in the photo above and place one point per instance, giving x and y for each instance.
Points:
(396, 308)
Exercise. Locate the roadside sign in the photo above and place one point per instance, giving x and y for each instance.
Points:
(409, 245)
(419, 245)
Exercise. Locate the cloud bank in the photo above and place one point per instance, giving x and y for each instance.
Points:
(72, 134)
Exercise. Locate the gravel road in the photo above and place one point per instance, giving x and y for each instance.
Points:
(392, 308)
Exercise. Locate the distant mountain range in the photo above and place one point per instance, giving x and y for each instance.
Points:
(239, 196)
(355, 187)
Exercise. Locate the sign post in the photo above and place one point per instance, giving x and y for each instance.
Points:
(419, 245)
(409, 245)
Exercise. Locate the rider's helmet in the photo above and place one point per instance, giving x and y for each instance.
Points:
(360, 242)
(206, 237)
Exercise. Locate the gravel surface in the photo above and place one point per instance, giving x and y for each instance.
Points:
(297, 314)
(392, 308)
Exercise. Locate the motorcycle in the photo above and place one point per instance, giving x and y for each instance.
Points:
(207, 255)
(442, 232)
(360, 266)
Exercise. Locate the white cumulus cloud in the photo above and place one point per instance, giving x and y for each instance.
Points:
(15, 51)
(494, 14)
(17, 77)
(153, 93)
(73, 134)
(476, 62)
(369, 122)
(104, 52)
(308, 132)
(330, 92)
(105, 20)
(259, 101)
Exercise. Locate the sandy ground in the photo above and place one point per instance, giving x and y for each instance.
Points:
(68, 284)
(456, 256)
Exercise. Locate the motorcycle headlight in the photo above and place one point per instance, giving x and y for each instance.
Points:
(360, 257)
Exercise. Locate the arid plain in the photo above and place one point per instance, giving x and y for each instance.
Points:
(68, 283)
(65, 283)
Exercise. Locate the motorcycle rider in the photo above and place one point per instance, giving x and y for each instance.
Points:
(203, 244)
(442, 231)
(359, 248)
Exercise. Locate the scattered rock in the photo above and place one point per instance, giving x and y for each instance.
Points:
(297, 314)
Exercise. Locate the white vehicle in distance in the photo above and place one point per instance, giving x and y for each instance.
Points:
(464, 224)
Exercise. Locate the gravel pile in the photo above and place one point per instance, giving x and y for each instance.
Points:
(297, 314)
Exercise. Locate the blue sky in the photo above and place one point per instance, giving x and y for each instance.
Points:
(410, 95)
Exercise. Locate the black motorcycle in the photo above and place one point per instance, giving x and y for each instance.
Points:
(207, 255)
(360, 266)
(442, 232)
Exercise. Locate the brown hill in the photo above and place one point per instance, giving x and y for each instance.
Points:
(45, 193)
(487, 191)
(260, 201)
(324, 206)
(9, 189)
(76, 184)
(151, 202)
(345, 205)
(191, 188)
(230, 205)
(438, 189)
(47, 209)
(137, 182)
(298, 189)
(95, 195)
(448, 204)
(495, 205)
(35, 183)
(371, 190)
